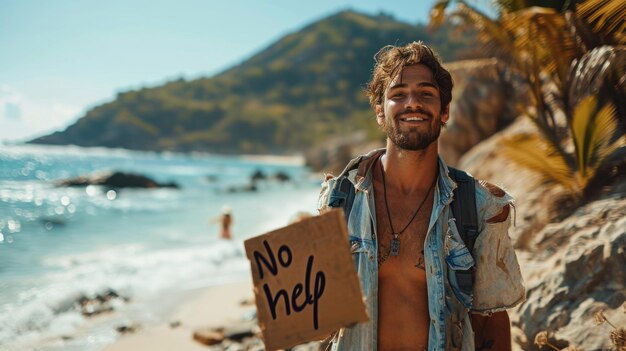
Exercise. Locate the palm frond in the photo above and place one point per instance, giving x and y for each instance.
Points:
(438, 13)
(582, 128)
(533, 153)
(544, 32)
(604, 130)
(607, 17)
(489, 32)
(516, 5)
(592, 131)
(548, 136)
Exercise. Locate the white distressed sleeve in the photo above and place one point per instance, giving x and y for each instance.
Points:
(499, 284)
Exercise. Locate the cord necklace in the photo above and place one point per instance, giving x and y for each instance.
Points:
(395, 242)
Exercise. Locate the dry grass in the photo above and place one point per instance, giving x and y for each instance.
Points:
(617, 335)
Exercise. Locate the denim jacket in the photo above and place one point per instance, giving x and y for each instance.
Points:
(498, 281)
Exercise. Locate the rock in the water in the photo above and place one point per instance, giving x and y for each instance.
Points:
(242, 189)
(116, 180)
(208, 336)
(105, 302)
(282, 177)
(127, 329)
(257, 176)
(51, 223)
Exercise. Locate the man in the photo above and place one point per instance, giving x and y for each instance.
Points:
(404, 239)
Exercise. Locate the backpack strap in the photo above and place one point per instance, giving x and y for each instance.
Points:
(464, 206)
(342, 194)
(466, 216)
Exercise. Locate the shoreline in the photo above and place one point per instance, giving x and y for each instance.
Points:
(212, 307)
(135, 260)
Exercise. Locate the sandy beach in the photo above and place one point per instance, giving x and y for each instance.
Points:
(223, 311)
(214, 307)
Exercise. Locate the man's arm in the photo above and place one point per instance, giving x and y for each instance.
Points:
(493, 332)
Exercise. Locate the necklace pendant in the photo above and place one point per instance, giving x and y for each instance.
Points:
(395, 246)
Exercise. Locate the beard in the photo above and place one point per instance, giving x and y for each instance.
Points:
(413, 138)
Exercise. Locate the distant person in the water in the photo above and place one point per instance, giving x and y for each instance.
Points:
(225, 220)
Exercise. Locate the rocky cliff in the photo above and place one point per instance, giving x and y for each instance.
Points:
(573, 258)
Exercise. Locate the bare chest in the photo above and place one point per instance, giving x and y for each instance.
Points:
(403, 316)
(401, 228)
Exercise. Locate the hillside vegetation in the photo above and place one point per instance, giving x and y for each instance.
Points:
(301, 90)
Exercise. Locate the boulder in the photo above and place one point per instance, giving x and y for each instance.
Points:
(208, 336)
(116, 180)
(575, 269)
(484, 101)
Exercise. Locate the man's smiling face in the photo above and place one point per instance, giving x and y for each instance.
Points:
(411, 113)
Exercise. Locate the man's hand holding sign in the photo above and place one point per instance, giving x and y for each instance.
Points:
(305, 282)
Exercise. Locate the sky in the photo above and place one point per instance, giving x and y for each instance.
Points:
(59, 58)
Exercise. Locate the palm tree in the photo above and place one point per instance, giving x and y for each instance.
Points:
(555, 50)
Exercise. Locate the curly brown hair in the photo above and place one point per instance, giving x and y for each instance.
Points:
(390, 60)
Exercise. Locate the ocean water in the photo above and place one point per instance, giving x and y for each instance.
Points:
(61, 244)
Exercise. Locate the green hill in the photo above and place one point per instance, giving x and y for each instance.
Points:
(301, 90)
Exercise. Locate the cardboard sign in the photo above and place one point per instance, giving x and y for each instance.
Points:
(305, 283)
